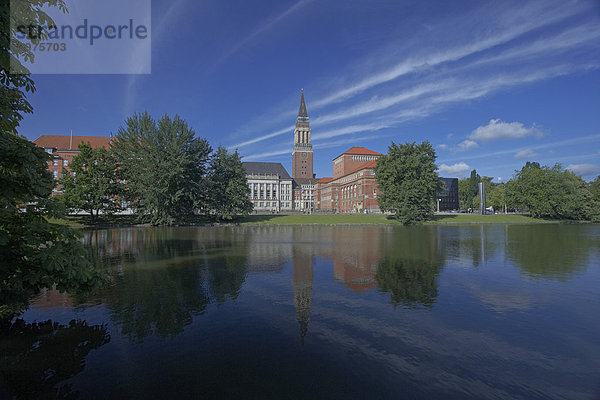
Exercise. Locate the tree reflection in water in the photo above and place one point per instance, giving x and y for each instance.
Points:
(411, 263)
(162, 277)
(552, 251)
(36, 357)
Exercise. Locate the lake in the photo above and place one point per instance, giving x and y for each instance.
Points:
(352, 312)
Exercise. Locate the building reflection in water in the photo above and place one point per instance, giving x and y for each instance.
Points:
(302, 282)
(356, 257)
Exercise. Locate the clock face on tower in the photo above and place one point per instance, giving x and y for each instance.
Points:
(304, 155)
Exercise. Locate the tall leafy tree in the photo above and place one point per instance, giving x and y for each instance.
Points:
(92, 184)
(409, 181)
(34, 253)
(163, 167)
(473, 190)
(595, 193)
(463, 193)
(15, 80)
(228, 187)
(550, 192)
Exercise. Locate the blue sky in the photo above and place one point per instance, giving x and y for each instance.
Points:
(490, 84)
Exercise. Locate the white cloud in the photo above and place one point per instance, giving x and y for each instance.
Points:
(584, 170)
(466, 145)
(527, 153)
(459, 169)
(498, 129)
(442, 146)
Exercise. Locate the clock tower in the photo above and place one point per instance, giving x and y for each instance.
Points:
(302, 154)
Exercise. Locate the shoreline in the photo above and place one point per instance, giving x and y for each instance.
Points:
(321, 220)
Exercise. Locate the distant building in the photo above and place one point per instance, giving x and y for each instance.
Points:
(64, 147)
(353, 187)
(448, 197)
(271, 187)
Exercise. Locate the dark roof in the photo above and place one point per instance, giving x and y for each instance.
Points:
(68, 142)
(302, 111)
(266, 168)
(305, 181)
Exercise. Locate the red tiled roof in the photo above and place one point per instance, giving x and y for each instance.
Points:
(324, 180)
(370, 164)
(362, 151)
(63, 142)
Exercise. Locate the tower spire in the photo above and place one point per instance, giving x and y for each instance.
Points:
(302, 113)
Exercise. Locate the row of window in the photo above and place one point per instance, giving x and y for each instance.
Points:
(270, 204)
(56, 162)
(364, 158)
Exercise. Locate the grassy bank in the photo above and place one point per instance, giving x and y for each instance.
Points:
(342, 219)
(338, 219)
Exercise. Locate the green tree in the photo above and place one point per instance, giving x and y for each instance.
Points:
(228, 188)
(497, 196)
(463, 193)
(409, 181)
(164, 168)
(92, 184)
(473, 190)
(15, 80)
(595, 194)
(34, 253)
(550, 192)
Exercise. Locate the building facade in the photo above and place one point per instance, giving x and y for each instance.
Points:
(63, 148)
(448, 198)
(271, 187)
(353, 188)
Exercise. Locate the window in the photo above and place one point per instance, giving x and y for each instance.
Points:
(55, 162)
(55, 174)
(66, 163)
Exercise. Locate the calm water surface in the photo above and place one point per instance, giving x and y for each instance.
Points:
(429, 312)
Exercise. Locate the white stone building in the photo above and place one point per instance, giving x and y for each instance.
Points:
(270, 186)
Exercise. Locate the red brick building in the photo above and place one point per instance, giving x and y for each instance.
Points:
(353, 187)
(64, 147)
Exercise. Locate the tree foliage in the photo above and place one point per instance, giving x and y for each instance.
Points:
(473, 190)
(93, 187)
(34, 254)
(228, 188)
(163, 168)
(550, 192)
(409, 181)
(15, 80)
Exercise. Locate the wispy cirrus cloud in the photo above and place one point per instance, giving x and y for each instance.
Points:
(527, 153)
(509, 27)
(509, 52)
(264, 27)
